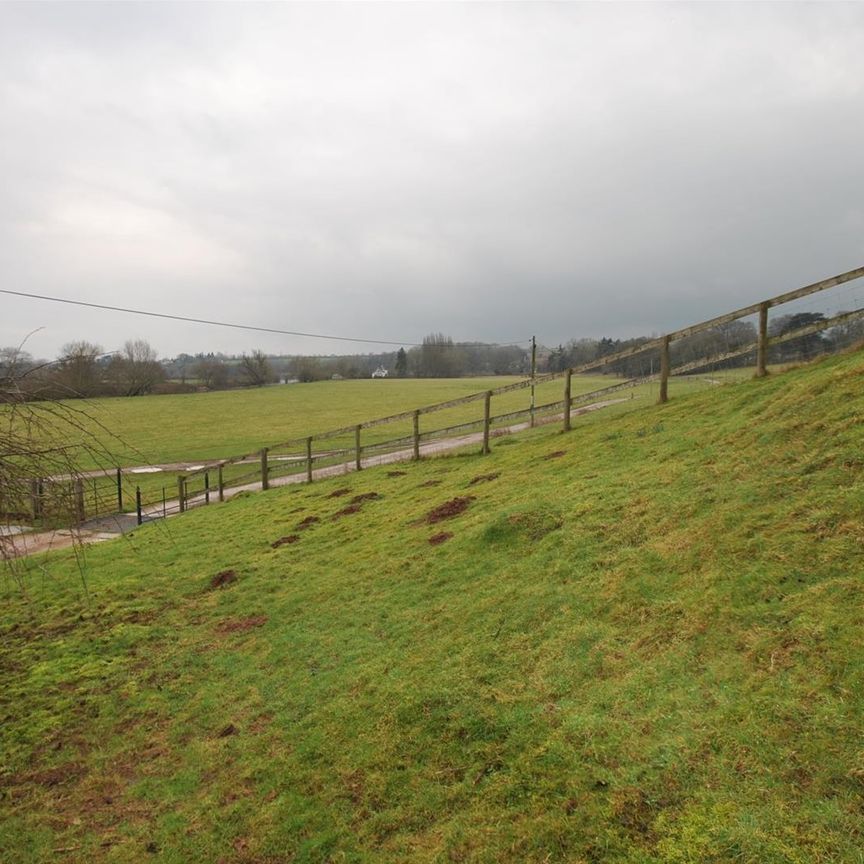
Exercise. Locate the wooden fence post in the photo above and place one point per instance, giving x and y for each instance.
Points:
(416, 435)
(181, 492)
(78, 490)
(567, 399)
(265, 472)
(309, 459)
(221, 484)
(487, 413)
(138, 505)
(206, 487)
(357, 451)
(762, 344)
(664, 371)
(119, 491)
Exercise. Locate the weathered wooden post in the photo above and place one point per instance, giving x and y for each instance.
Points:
(119, 491)
(309, 459)
(206, 487)
(416, 435)
(78, 490)
(664, 371)
(487, 413)
(762, 344)
(181, 492)
(567, 399)
(357, 450)
(221, 483)
(265, 472)
(138, 505)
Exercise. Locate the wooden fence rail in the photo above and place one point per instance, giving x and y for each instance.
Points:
(297, 455)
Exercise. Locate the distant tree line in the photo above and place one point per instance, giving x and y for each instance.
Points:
(84, 370)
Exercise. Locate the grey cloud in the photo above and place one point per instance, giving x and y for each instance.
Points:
(490, 171)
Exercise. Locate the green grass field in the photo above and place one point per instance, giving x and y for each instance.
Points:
(637, 642)
(209, 426)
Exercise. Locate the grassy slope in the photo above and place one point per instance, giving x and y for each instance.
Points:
(646, 649)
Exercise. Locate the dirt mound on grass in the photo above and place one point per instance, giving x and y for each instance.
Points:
(366, 496)
(307, 522)
(223, 578)
(555, 454)
(438, 539)
(347, 511)
(290, 538)
(338, 493)
(396, 473)
(484, 478)
(429, 483)
(448, 509)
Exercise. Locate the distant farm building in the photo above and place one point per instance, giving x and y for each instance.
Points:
(380, 372)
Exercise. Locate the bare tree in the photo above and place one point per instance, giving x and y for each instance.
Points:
(136, 370)
(255, 369)
(77, 372)
(211, 372)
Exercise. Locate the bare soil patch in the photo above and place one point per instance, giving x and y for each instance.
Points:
(438, 539)
(307, 522)
(396, 473)
(241, 625)
(429, 483)
(347, 511)
(223, 578)
(290, 538)
(448, 509)
(55, 776)
(484, 478)
(366, 496)
(338, 493)
(555, 454)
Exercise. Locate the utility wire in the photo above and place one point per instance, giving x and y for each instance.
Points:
(246, 326)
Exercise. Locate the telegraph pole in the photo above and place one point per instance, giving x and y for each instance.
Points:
(533, 374)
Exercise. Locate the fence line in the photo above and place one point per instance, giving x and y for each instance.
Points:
(297, 456)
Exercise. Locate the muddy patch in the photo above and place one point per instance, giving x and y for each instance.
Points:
(555, 454)
(307, 522)
(396, 473)
(338, 493)
(282, 541)
(347, 511)
(448, 509)
(484, 478)
(241, 625)
(227, 731)
(429, 483)
(223, 578)
(366, 496)
(438, 539)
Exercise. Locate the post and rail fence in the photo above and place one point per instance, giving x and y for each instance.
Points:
(361, 444)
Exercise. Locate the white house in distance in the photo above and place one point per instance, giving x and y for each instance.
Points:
(380, 372)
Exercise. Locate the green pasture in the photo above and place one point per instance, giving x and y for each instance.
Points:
(640, 641)
(208, 426)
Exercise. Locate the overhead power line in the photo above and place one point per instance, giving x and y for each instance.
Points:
(235, 326)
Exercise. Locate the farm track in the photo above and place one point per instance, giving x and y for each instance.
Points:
(110, 527)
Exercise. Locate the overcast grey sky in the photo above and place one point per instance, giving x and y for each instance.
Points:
(386, 170)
